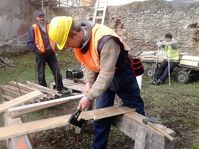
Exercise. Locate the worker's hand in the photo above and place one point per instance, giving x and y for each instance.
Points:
(87, 87)
(84, 104)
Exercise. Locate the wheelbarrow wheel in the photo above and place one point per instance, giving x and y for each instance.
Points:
(182, 76)
(149, 71)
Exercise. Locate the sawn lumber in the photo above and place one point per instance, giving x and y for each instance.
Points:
(20, 110)
(21, 142)
(40, 125)
(19, 100)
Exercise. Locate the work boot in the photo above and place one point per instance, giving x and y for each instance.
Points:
(154, 81)
(158, 82)
(64, 91)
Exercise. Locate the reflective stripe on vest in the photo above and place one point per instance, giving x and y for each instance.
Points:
(91, 58)
(172, 54)
(39, 40)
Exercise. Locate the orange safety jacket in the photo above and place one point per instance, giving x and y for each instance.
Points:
(91, 58)
(39, 41)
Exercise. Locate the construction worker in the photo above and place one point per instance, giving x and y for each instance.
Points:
(44, 50)
(166, 67)
(106, 68)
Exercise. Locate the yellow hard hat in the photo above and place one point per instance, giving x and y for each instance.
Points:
(59, 29)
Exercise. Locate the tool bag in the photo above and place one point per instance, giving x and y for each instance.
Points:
(74, 72)
(136, 66)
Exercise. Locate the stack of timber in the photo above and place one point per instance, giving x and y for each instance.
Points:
(5, 62)
(15, 108)
(152, 56)
(188, 60)
(159, 56)
(15, 89)
(125, 119)
(21, 141)
(76, 85)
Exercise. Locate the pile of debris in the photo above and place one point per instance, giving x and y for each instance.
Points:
(5, 62)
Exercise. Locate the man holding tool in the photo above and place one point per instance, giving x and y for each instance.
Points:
(106, 67)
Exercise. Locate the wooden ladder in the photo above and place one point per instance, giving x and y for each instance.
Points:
(100, 11)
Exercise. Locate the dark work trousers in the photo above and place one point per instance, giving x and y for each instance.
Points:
(124, 84)
(51, 60)
(162, 71)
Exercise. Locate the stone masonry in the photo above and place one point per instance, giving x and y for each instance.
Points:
(140, 24)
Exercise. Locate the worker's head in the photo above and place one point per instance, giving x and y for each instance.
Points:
(65, 33)
(40, 16)
(168, 37)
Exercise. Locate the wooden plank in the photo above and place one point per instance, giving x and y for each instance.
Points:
(19, 100)
(40, 125)
(16, 89)
(9, 92)
(7, 97)
(140, 140)
(28, 89)
(129, 124)
(20, 142)
(44, 89)
(70, 84)
(160, 130)
(22, 86)
(20, 110)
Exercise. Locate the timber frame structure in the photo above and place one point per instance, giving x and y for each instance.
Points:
(32, 97)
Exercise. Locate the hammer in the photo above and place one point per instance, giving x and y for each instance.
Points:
(74, 121)
(150, 123)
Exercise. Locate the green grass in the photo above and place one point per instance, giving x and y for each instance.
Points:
(24, 67)
(177, 106)
(195, 146)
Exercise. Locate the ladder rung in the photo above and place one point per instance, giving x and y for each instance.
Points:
(99, 17)
(100, 9)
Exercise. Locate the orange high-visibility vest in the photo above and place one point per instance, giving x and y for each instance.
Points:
(91, 58)
(39, 41)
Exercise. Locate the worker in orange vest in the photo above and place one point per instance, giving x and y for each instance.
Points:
(106, 68)
(44, 50)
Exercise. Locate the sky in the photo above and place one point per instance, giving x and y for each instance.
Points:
(122, 2)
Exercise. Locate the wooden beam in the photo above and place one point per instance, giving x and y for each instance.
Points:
(22, 86)
(16, 142)
(43, 89)
(7, 97)
(9, 92)
(70, 84)
(40, 125)
(24, 109)
(16, 89)
(19, 100)
(129, 124)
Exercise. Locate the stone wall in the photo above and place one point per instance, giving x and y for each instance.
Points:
(147, 22)
(141, 24)
(16, 17)
(12, 21)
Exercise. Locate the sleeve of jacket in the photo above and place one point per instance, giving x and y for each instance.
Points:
(175, 44)
(89, 76)
(108, 60)
(31, 41)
